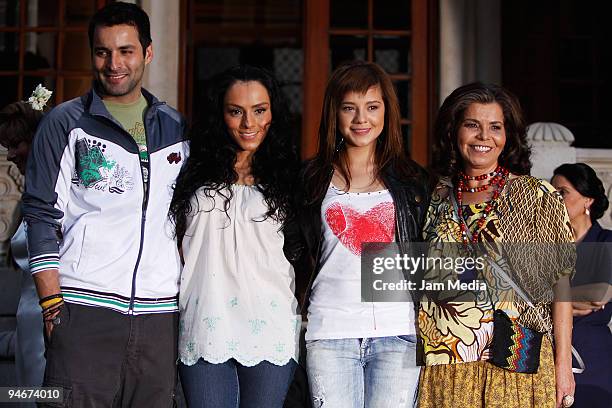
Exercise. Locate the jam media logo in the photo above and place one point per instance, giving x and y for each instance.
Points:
(94, 170)
(174, 158)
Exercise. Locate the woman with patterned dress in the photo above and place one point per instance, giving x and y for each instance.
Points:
(486, 197)
(239, 328)
(361, 187)
(586, 202)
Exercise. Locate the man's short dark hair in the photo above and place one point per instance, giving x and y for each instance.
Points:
(122, 13)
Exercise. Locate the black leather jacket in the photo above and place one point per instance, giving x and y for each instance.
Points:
(411, 199)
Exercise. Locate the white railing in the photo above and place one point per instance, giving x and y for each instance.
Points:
(551, 147)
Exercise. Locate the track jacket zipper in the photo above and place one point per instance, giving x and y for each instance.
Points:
(145, 202)
(145, 199)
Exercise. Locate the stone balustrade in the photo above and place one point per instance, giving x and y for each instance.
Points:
(551, 145)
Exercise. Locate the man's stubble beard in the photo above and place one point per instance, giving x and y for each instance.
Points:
(130, 86)
(117, 91)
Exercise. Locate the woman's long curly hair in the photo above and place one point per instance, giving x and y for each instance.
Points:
(516, 153)
(213, 153)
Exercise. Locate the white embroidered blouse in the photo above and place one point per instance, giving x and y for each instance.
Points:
(236, 291)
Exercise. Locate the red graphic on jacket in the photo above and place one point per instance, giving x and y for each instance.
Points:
(353, 227)
(174, 158)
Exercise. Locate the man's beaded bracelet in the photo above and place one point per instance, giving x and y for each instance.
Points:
(49, 301)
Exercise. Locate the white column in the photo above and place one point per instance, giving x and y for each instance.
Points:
(452, 33)
(470, 43)
(488, 41)
(32, 18)
(161, 76)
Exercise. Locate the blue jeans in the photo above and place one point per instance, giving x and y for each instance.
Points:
(232, 385)
(378, 372)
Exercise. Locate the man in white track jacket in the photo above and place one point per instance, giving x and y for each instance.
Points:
(105, 263)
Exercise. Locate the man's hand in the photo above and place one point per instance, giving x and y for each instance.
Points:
(48, 328)
(47, 284)
(48, 320)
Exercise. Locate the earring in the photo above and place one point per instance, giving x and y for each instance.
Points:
(587, 211)
(339, 144)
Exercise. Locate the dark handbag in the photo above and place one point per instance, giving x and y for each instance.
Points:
(515, 347)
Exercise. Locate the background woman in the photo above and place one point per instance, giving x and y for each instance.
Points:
(483, 157)
(361, 187)
(238, 328)
(586, 202)
(18, 123)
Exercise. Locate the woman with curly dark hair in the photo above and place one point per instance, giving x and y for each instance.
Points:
(492, 347)
(361, 187)
(516, 152)
(238, 331)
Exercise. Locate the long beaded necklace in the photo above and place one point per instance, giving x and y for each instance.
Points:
(498, 180)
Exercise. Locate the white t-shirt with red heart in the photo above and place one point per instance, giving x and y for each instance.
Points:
(336, 310)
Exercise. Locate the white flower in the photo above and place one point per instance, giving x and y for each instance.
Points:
(39, 97)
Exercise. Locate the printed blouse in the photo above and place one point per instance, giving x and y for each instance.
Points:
(457, 326)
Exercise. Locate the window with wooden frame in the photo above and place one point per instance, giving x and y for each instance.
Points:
(45, 42)
(395, 34)
(301, 41)
(556, 57)
(219, 34)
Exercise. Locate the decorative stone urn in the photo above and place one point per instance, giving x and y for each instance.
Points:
(551, 146)
(11, 187)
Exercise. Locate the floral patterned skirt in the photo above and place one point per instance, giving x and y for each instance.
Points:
(481, 384)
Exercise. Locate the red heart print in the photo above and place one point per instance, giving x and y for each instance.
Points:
(352, 227)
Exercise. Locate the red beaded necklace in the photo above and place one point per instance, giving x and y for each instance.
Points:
(480, 177)
(498, 180)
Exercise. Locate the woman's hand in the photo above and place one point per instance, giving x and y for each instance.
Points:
(565, 382)
(562, 329)
(585, 308)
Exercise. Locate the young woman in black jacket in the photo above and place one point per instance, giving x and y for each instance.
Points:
(361, 187)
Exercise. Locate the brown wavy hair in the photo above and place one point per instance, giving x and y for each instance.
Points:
(356, 76)
(516, 153)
